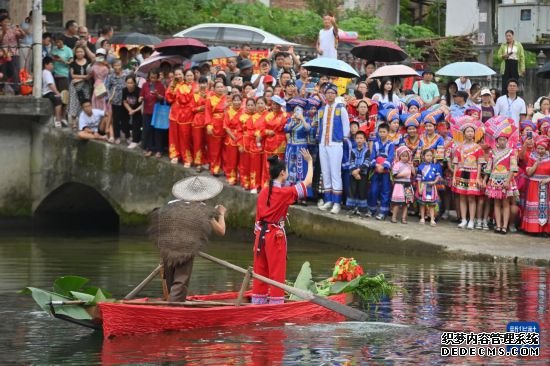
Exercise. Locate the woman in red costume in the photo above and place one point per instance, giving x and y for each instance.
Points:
(536, 218)
(214, 116)
(233, 129)
(274, 133)
(270, 247)
(254, 129)
(198, 134)
(244, 155)
(180, 95)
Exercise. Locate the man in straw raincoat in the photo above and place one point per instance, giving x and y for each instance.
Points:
(182, 227)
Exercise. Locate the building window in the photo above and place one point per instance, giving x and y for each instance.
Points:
(525, 14)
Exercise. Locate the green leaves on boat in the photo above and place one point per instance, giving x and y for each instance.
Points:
(69, 288)
(369, 289)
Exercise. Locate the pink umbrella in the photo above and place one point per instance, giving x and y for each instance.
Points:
(379, 50)
(156, 59)
(393, 70)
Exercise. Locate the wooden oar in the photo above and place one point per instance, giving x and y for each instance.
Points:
(345, 310)
(143, 283)
(184, 303)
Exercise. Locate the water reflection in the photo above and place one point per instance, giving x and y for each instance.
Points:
(441, 295)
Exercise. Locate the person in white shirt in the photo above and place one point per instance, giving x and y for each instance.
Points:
(387, 95)
(333, 129)
(327, 43)
(511, 105)
(463, 83)
(49, 90)
(93, 124)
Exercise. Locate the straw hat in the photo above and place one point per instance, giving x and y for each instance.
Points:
(197, 188)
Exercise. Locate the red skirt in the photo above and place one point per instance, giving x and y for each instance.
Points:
(535, 216)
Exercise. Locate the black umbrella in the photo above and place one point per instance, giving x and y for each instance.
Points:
(379, 50)
(544, 71)
(135, 38)
(185, 47)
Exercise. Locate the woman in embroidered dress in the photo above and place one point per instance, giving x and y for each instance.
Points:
(536, 218)
(296, 129)
(500, 182)
(467, 161)
(234, 131)
(411, 139)
(215, 133)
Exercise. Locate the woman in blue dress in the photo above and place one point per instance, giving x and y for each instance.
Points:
(297, 130)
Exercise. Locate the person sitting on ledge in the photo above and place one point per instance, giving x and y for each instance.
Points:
(93, 124)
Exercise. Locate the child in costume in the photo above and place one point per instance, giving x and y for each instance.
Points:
(428, 175)
(467, 162)
(381, 160)
(390, 115)
(313, 120)
(403, 192)
(358, 168)
(411, 139)
(500, 169)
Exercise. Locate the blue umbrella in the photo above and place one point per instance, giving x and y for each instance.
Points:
(331, 67)
(465, 69)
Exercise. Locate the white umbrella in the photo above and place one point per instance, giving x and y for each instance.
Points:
(394, 71)
(465, 69)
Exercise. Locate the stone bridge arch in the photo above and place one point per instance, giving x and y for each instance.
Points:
(76, 206)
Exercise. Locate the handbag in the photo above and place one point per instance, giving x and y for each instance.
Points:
(99, 89)
(160, 119)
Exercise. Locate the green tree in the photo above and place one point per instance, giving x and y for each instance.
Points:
(368, 28)
(435, 20)
(405, 14)
(323, 7)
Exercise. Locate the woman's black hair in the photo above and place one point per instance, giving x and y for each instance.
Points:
(203, 80)
(131, 77)
(448, 96)
(383, 82)
(262, 98)
(362, 102)
(276, 166)
(236, 96)
(153, 72)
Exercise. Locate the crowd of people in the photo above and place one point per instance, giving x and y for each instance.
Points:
(379, 149)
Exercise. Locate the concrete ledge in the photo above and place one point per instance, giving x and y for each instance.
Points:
(27, 106)
(134, 185)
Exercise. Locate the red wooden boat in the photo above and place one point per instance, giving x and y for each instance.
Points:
(121, 318)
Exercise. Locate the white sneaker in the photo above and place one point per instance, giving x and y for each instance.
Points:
(320, 203)
(117, 142)
(132, 145)
(254, 191)
(336, 209)
(463, 224)
(174, 161)
(470, 225)
(327, 206)
(57, 124)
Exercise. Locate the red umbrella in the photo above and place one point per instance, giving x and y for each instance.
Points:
(379, 50)
(185, 47)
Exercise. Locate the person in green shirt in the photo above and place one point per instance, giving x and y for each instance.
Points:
(62, 56)
(512, 57)
(427, 89)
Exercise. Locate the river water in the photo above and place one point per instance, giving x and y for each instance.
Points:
(441, 295)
